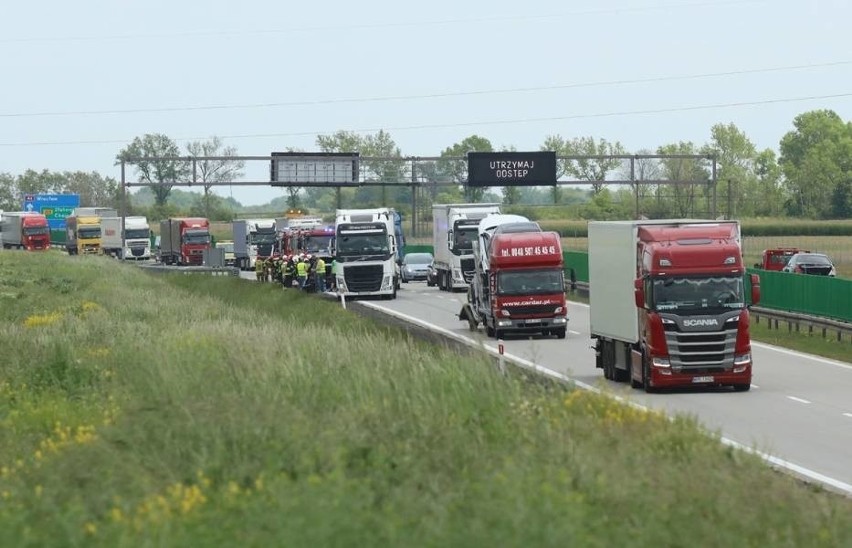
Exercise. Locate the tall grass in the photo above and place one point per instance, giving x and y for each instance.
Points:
(143, 410)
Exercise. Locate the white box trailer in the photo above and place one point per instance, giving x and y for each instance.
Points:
(454, 229)
(136, 243)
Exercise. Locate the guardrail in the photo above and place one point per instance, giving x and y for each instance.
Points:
(794, 321)
(206, 270)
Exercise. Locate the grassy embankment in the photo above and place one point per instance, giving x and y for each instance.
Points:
(143, 410)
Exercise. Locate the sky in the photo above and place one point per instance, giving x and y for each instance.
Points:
(82, 79)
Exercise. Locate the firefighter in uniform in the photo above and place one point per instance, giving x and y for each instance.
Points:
(320, 275)
(302, 272)
(259, 267)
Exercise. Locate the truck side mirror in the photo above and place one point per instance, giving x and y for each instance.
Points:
(755, 289)
(639, 292)
(572, 274)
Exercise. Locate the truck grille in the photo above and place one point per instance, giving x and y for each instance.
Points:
(710, 351)
(467, 268)
(536, 310)
(137, 251)
(264, 250)
(363, 278)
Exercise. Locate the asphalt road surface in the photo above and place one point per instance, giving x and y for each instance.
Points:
(798, 412)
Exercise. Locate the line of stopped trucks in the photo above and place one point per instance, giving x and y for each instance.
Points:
(669, 299)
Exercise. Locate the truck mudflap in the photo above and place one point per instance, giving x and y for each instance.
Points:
(467, 314)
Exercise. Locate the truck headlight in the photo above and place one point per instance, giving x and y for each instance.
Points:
(504, 312)
(558, 310)
(504, 323)
(561, 319)
(741, 362)
(660, 362)
(457, 274)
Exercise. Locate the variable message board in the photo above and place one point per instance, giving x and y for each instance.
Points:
(56, 207)
(511, 168)
(314, 168)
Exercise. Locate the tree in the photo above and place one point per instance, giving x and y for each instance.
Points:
(679, 170)
(735, 155)
(214, 171)
(816, 157)
(586, 169)
(769, 184)
(380, 145)
(93, 188)
(456, 170)
(9, 196)
(150, 169)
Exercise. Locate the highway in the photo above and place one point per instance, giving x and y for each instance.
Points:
(798, 413)
(799, 410)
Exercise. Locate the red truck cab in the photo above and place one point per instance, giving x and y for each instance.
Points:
(693, 316)
(24, 230)
(523, 290)
(777, 258)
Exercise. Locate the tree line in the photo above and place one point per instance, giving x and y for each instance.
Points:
(810, 176)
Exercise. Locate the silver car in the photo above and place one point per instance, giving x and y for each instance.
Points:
(415, 266)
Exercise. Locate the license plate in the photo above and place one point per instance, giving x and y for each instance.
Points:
(702, 379)
(533, 320)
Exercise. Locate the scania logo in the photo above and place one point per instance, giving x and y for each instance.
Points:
(701, 322)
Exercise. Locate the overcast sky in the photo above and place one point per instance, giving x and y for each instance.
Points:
(644, 72)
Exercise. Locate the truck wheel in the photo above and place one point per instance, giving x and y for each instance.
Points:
(742, 387)
(561, 332)
(489, 330)
(450, 282)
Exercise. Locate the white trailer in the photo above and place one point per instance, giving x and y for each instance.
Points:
(365, 250)
(454, 229)
(134, 244)
(253, 238)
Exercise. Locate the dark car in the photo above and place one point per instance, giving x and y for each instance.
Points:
(432, 276)
(415, 266)
(810, 263)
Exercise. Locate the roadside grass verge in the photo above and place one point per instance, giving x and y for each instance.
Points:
(174, 410)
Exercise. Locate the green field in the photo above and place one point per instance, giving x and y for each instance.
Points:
(139, 410)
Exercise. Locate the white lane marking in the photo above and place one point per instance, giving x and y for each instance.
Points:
(800, 400)
(802, 355)
(836, 484)
(847, 415)
(575, 303)
(755, 386)
(573, 332)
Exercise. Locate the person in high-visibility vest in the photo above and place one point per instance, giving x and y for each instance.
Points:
(289, 273)
(259, 269)
(320, 275)
(302, 272)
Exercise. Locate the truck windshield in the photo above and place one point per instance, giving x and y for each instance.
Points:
(196, 237)
(698, 294)
(263, 237)
(35, 230)
(89, 233)
(374, 243)
(463, 238)
(137, 234)
(530, 282)
(316, 244)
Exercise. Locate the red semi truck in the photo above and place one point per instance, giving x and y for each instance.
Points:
(668, 303)
(518, 284)
(24, 230)
(183, 240)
